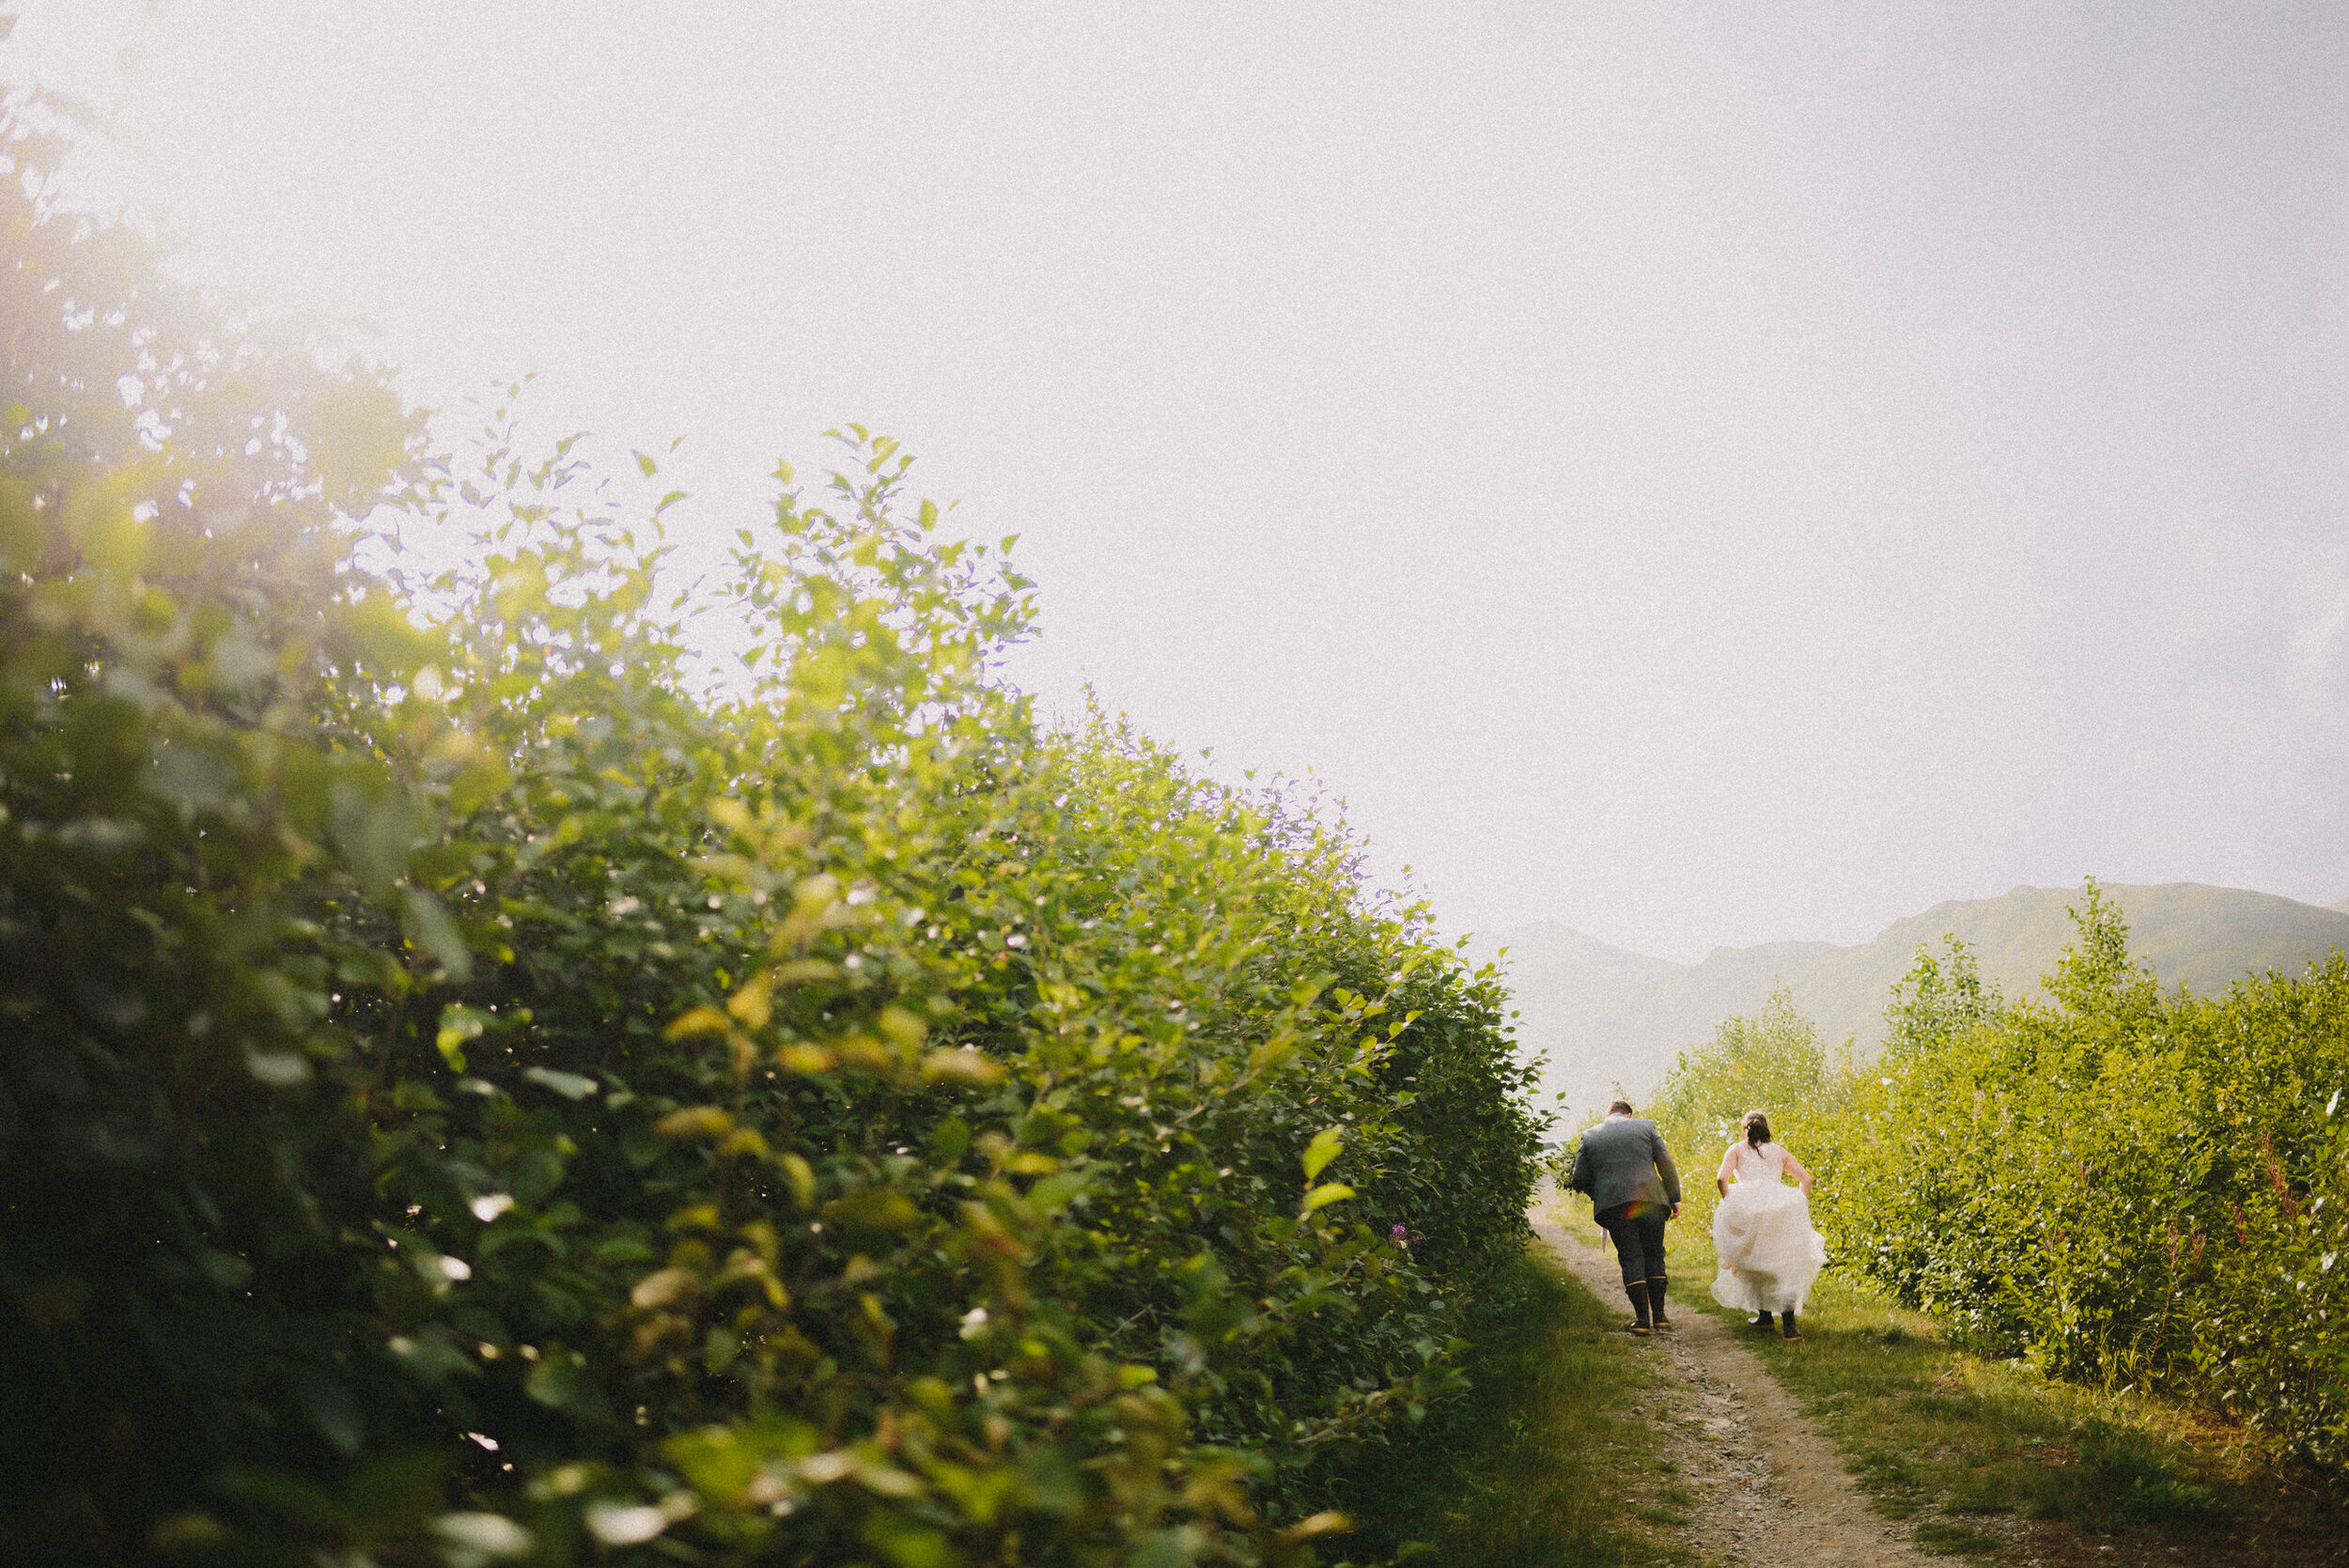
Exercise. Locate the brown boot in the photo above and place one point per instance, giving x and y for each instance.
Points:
(1637, 1290)
(1786, 1325)
(1761, 1320)
(1656, 1302)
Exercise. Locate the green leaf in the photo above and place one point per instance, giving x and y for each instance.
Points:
(1168, 1548)
(908, 1543)
(475, 1540)
(1327, 1193)
(950, 1140)
(431, 1360)
(1052, 1194)
(477, 784)
(1054, 1484)
(571, 1086)
(279, 1069)
(641, 1145)
(225, 1270)
(560, 1382)
(427, 924)
(332, 1410)
(1322, 1150)
(376, 836)
(459, 1024)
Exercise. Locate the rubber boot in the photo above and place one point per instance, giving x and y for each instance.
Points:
(1786, 1325)
(1656, 1302)
(1637, 1290)
(1761, 1320)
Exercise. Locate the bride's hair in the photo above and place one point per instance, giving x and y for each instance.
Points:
(1757, 1128)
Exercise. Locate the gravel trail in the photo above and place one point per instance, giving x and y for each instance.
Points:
(1769, 1486)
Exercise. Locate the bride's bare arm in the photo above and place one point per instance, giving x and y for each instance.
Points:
(1729, 1169)
(1802, 1177)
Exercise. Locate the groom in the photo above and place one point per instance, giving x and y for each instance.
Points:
(1634, 1190)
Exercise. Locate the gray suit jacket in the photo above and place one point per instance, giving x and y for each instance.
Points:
(1625, 1161)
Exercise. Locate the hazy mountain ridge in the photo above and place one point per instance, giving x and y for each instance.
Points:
(1607, 1015)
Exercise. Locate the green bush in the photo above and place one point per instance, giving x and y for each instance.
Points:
(2134, 1188)
(1774, 1062)
(476, 1091)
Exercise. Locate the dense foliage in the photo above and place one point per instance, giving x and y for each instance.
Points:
(2132, 1187)
(473, 1091)
(2135, 1187)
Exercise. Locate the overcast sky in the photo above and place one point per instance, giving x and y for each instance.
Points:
(1700, 473)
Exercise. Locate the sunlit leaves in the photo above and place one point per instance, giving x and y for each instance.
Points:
(460, 1026)
(1323, 1196)
(827, 1114)
(1322, 1150)
(2131, 1188)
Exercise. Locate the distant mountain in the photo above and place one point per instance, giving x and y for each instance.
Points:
(1606, 1016)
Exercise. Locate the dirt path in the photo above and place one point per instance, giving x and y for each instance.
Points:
(1768, 1486)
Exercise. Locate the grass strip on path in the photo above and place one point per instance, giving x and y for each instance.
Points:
(1545, 1461)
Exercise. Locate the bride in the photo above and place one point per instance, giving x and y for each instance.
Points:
(1761, 1231)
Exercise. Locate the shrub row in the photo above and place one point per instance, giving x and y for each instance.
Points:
(2134, 1187)
(1774, 1061)
(474, 1088)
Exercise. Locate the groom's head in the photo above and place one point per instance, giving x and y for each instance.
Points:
(1619, 1107)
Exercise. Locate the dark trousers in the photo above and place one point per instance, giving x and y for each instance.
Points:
(1638, 1232)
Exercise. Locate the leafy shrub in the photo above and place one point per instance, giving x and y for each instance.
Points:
(474, 1092)
(2133, 1186)
(1774, 1061)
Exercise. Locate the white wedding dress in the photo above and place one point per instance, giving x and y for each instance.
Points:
(1761, 1234)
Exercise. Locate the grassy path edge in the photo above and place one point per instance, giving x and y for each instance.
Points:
(1547, 1461)
(1989, 1461)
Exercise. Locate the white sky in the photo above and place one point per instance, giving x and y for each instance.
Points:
(1702, 472)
